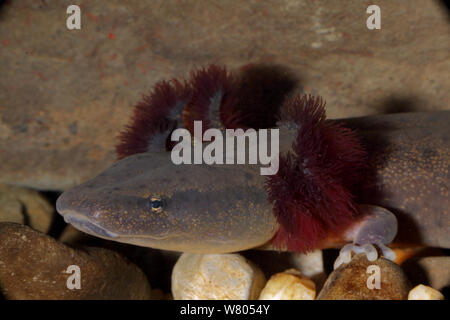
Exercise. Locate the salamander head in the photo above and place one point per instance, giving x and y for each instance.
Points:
(147, 200)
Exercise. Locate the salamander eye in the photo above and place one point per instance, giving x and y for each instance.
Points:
(156, 204)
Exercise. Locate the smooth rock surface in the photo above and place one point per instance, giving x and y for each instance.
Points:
(64, 95)
(432, 271)
(288, 285)
(437, 270)
(25, 206)
(350, 281)
(422, 292)
(216, 277)
(10, 209)
(33, 266)
(311, 263)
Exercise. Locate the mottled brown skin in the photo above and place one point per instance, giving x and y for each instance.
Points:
(223, 208)
(410, 154)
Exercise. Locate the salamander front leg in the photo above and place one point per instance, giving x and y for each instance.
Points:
(378, 227)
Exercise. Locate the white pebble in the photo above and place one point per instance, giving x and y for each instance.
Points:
(216, 277)
(422, 292)
(310, 264)
(288, 285)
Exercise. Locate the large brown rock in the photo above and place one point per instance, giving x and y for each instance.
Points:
(33, 266)
(350, 281)
(64, 94)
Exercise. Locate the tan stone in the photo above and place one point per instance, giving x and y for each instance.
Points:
(24, 205)
(10, 209)
(216, 277)
(311, 265)
(351, 281)
(288, 285)
(422, 292)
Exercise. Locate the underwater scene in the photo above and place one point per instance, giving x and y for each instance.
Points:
(173, 150)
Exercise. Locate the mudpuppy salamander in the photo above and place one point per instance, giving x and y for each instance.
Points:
(354, 184)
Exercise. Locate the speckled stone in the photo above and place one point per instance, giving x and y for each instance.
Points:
(288, 285)
(349, 281)
(422, 292)
(33, 266)
(216, 277)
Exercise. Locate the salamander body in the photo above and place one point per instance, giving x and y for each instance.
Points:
(145, 199)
